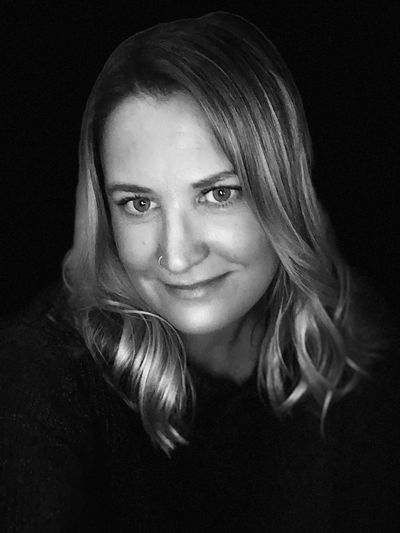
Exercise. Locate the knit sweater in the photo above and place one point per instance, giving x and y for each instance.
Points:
(75, 458)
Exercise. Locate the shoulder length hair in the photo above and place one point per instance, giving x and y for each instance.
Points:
(315, 345)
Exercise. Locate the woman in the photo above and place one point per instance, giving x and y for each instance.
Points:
(203, 366)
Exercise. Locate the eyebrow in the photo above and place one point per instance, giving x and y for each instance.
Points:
(205, 182)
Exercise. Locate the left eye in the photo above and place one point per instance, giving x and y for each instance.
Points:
(221, 194)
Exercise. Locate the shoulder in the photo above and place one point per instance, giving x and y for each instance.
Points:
(374, 400)
(372, 404)
(49, 425)
(364, 441)
(350, 471)
(44, 365)
(33, 338)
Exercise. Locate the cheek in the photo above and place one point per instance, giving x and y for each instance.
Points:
(247, 243)
(134, 245)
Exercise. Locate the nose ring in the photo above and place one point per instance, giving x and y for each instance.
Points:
(159, 260)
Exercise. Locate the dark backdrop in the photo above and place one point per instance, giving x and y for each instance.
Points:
(343, 56)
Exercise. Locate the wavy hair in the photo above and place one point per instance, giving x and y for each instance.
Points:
(316, 344)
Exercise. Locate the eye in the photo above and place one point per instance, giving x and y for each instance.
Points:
(136, 206)
(141, 204)
(223, 195)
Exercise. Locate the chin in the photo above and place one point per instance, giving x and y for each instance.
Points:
(198, 323)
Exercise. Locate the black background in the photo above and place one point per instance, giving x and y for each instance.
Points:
(343, 56)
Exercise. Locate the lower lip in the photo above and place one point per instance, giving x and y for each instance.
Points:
(198, 292)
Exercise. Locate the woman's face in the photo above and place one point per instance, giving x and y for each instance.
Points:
(172, 192)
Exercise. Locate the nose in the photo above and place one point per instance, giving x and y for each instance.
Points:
(183, 242)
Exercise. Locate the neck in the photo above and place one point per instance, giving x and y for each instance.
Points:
(231, 352)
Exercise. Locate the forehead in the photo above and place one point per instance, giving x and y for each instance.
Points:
(147, 137)
(146, 116)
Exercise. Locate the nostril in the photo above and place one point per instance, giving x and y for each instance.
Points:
(181, 260)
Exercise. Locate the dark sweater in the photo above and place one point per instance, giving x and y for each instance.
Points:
(75, 457)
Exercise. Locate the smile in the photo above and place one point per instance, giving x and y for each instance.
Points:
(198, 290)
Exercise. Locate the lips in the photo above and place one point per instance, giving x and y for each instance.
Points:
(197, 291)
(195, 285)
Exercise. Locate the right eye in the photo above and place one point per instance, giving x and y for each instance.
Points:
(136, 205)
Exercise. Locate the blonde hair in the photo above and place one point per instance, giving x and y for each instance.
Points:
(315, 343)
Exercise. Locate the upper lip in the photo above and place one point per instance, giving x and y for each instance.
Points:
(192, 285)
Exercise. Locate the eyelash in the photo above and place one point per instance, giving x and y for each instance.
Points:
(218, 205)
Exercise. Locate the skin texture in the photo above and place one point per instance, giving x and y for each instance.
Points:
(166, 145)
